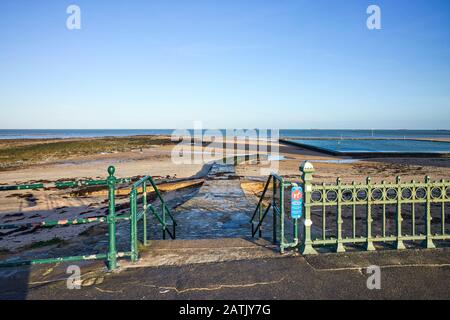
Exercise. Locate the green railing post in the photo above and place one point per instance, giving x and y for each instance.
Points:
(295, 224)
(296, 230)
(295, 220)
(282, 216)
(340, 246)
(413, 208)
(112, 251)
(165, 211)
(274, 210)
(324, 212)
(307, 170)
(260, 220)
(274, 220)
(383, 218)
(429, 240)
(133, 225)
(443, 195)
(369, 243)
(399, 220)
(164, 219)
(354, 197)
(144, 217)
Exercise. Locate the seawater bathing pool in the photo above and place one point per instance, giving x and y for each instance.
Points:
(375, 146)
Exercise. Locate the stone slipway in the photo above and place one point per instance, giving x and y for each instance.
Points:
(213, 226)
(220, 209)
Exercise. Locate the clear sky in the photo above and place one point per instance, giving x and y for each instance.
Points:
(227, 63)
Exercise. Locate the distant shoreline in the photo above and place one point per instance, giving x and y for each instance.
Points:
(41, 134)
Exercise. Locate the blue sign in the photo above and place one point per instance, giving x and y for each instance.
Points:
(296, 202)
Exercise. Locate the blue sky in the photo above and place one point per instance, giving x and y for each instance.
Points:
(227, 63)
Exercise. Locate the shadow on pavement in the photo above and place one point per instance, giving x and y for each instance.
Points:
(14, 283)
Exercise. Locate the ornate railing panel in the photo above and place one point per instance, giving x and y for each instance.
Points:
(387, 212)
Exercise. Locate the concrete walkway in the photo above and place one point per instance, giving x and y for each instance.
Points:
(189, 252)
(215, 258)
(409, 274)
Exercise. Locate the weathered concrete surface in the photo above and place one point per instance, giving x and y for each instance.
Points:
(184, 252)
(235, 268)
(220, 209)
(410, 274)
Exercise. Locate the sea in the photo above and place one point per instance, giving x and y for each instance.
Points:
(283, 133)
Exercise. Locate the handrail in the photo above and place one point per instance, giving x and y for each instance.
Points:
(266, 187)
(263, 213)
(261, 198)
(136, 216)
(111, 218)
(278, 213)
(61, 184)
(162, 200)
(432, 200)
(161, 221)
(110, 256)
(52, 223)
(258, 226)
(158, 194)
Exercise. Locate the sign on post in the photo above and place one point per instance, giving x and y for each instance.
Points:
(296, 202)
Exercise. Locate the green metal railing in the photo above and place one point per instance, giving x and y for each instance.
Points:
(410, 202)
(62, 184)
(111, 219)
(112, 254)
(363, 213)
(276, 202)
(137, 214)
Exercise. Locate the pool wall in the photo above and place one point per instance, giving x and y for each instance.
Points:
(366, 154)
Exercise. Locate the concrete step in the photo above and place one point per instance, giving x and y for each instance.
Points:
(185, 252)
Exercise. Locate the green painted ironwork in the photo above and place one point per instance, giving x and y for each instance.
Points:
(139, 211)
(62, 184)
(277, 186)
(112, 250)
(306, 244)
(349, 213)
(110, 257)
(134, 216)
(52, 223)
(369, 196)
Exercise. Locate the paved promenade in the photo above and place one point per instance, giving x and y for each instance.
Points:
(411, 274)
(214, 258)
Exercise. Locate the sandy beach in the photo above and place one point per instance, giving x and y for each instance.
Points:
(139, 156)
(134, 156)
